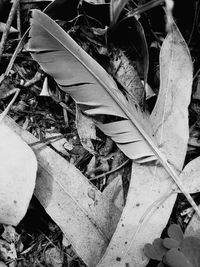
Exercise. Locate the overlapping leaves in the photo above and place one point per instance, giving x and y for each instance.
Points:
(175, 250)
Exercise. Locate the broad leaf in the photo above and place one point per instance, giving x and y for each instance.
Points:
(17, 172)
(17, 176)
(175, 258)
(151, 253)
(171, 243)
(190, 176)
(93, 89)
(140, 224)
(156, 251)
(174, 231)
(190, 248)
(80, 210)
(193, 228)
(130, 37)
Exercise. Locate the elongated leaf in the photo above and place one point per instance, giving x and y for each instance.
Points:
(191, 176)
(116, 7)
(80, 210)
(148, 183)
(129, 35)
(87, 82)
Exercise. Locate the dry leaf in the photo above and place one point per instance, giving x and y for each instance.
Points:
(149, 183)
(73, 203)
(114, 193)
(7, 251)
(190, 176)
(45, 88)
(54, 257)
(18, 174)
(3, 28)
(86, 130)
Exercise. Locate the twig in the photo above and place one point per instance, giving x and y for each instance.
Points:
(111, 171)
(8, 25)
(5, 112)
(146, 7)
(34, 80)
(19, 22)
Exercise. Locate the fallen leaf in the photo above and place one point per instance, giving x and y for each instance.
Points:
(54, 257)
(114, 193)
(129, 36)
(64, 193)
(45, 88)
(190, 176)
(3, 28)
(86, 130)
(7, 251)
(139, 224)
(190, 248)
(175, 258)
(10, 234)
(18, 174)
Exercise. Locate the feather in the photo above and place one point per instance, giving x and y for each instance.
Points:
(95, 92)
(87, 82)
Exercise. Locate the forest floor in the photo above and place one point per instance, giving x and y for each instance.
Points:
(37, 241)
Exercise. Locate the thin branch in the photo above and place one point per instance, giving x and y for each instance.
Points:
(8, 25)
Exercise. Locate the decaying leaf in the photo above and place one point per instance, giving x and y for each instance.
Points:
(149, 183)
(79, 209)
(17, 176)
(129, 36)
(86, 130)
(191, 176)
(114, 193)
(54, 257)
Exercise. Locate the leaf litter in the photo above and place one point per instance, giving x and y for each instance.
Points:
(41, 114)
